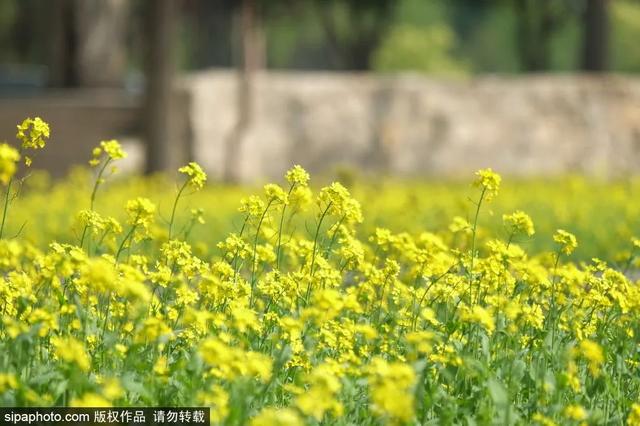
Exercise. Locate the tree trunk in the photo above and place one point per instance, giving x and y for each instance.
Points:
(595, 42)
(102, 50)
(62, 50)
(535, 26)
(159, 76)
(252, 60)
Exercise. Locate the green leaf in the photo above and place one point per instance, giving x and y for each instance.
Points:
(497, 392)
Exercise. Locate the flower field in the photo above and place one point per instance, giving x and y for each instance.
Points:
(386, 303)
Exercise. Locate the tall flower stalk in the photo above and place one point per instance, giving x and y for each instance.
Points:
(106, 153)
(196, 179)
(489, 182)
(33, 134)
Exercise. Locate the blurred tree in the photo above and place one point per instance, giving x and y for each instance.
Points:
(354, 29)
(101, 51)
(8, 11)
(160, 27)
(468, 15)
(537, 22)
(487, 47)
(62, 54)
(86, 41)
(625, 26)
(595, 40)
(425, 49)
(252, 48)
(206, 33)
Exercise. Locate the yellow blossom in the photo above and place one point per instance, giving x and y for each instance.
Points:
(277, 417)
(9, 156)
(196, 176)
(90, 400)
(33, 133)
(70, 350)
(567, 241)
(575, 412)
(489, 181)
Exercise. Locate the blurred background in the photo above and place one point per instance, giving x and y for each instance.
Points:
(388, 87)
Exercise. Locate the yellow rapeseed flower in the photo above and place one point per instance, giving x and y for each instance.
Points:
(634, 415)
(277, 417)
(141, 211)
(33, 132)
(111, 148)
(90, 400)
(481, 316)
(196, 176)
(71, 350)
(594, 355)
(391, 389)
(489, 181)
(7, 381)
(575, 412)
(9, 156)
(297, 176)
(519, 223)
(217, 399)
(566, 240)
(321, 397)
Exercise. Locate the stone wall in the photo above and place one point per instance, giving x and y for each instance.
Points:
(402, 125)
(416, 126)
(79, 119)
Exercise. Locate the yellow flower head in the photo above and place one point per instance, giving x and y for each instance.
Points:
(217, 399)
(253, 206)
(338, 202)
(72, 351)
(594, 355)
(196, 176)
(90, 400)
(275, 193)
(33, 132)
(297, 176)
(391, 388)
(519, 223)
(9, 156)
(8, 381)
(277, 417)
(567, 241)
(481, 316)
(321, 395)
(140, 211)
(111, 148)
(489, 181)
(575, 412)
(634, 415)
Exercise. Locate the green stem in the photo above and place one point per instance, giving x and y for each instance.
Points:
(234, 262)
(284, 208)
(255, 245)
(553, 300)
(315, 238)
(473, 245)
(93, 197)
(6, 207)
(334, 236)
(175, 204)
(313, 254)
(129, 234)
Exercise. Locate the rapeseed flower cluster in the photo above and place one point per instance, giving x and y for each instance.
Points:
(9, 158)
(304, 315)
(196, 177)
(110, 149)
